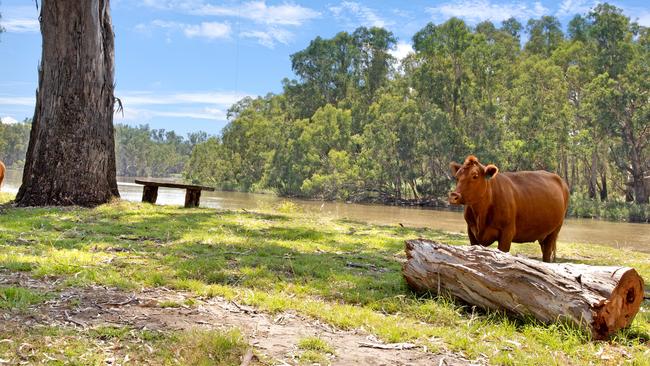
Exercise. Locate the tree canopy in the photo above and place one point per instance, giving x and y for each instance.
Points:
(356, 124)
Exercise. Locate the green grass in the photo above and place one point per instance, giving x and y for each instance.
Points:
(64, 346)
(315, 351)
(282, 259)
(315, 344)
(18, 298)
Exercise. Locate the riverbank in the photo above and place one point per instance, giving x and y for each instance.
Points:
(279, 263)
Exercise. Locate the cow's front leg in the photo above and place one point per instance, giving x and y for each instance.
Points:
(505, 239)
(472, 237)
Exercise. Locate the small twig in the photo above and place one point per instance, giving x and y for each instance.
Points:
(68, 318)
(122, 303)
(120, 107)
(394, 346)
(360, 265)
(248, 357)
(238, 253)
(242, 309)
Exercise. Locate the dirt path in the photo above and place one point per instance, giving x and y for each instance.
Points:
(273, 336)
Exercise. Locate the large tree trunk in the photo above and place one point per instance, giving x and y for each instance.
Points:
(602, 299)
(71, 153)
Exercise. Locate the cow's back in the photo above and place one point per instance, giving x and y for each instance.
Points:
(540, 202)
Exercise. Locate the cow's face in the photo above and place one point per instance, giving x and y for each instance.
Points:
(472, 179)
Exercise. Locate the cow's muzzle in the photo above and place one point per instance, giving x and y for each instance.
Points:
(454, 198)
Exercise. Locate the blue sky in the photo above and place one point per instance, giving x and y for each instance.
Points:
(181, 63)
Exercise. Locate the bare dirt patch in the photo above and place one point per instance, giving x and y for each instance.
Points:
(273, 336)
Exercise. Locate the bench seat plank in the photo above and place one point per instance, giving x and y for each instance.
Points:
(192, 192)
(172, 185)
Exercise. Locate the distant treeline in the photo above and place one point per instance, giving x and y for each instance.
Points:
(356, 125)
(144, 152)
(14, 138)
(140, 151)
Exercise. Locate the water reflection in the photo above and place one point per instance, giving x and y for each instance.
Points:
(616, 234)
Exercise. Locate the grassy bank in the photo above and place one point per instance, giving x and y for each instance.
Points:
(347, 274)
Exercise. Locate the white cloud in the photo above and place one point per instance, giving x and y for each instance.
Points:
(20, 19)
(148, 98)
(21, 25)
(8, 120)
(143, 106)
(260, 12)
(21, 101)
(140, 106)
(402, 49)
(353, 12)
(210, 30)
(257, 11)
(267, 23)
(270, 37)
(573, 7)
(144, 114)
(479, 10)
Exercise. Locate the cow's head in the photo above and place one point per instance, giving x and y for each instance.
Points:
(472, 179)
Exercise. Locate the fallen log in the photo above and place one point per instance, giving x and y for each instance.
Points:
(601, 299)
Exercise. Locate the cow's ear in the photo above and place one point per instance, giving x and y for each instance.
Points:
(454, 168)
(491, 171)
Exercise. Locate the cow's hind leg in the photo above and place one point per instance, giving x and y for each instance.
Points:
(548, 246)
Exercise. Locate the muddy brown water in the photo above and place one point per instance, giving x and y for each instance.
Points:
(614, 234)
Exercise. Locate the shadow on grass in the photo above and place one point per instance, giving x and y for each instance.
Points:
(280, 254)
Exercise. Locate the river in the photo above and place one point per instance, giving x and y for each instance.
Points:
(615, 234)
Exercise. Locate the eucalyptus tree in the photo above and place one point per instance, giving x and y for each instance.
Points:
(544, 35)
(71, 154)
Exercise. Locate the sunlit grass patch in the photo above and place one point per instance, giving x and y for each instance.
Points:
(169, 304)
(117, 344)
(345, 273)
(313, 358)
(203, 347)
(19, 298)
(6, 197)
(315, 344)
(108, 332)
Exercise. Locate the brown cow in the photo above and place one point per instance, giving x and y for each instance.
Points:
(2, 173)
(510, 207)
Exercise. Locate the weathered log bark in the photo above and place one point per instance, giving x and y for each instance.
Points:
(71, 154)
(601, 299)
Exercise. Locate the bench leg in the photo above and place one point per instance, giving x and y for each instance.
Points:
(150, 194)
(192, 198)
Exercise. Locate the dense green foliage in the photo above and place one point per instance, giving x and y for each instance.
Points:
(13, 143)
(358, 125)
(140, 151)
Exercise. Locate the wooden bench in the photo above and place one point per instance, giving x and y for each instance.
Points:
(192, 192)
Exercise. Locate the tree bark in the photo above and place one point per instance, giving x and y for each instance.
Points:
(71, 153)
(593, 174)
(603, 184)
(601, 299)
